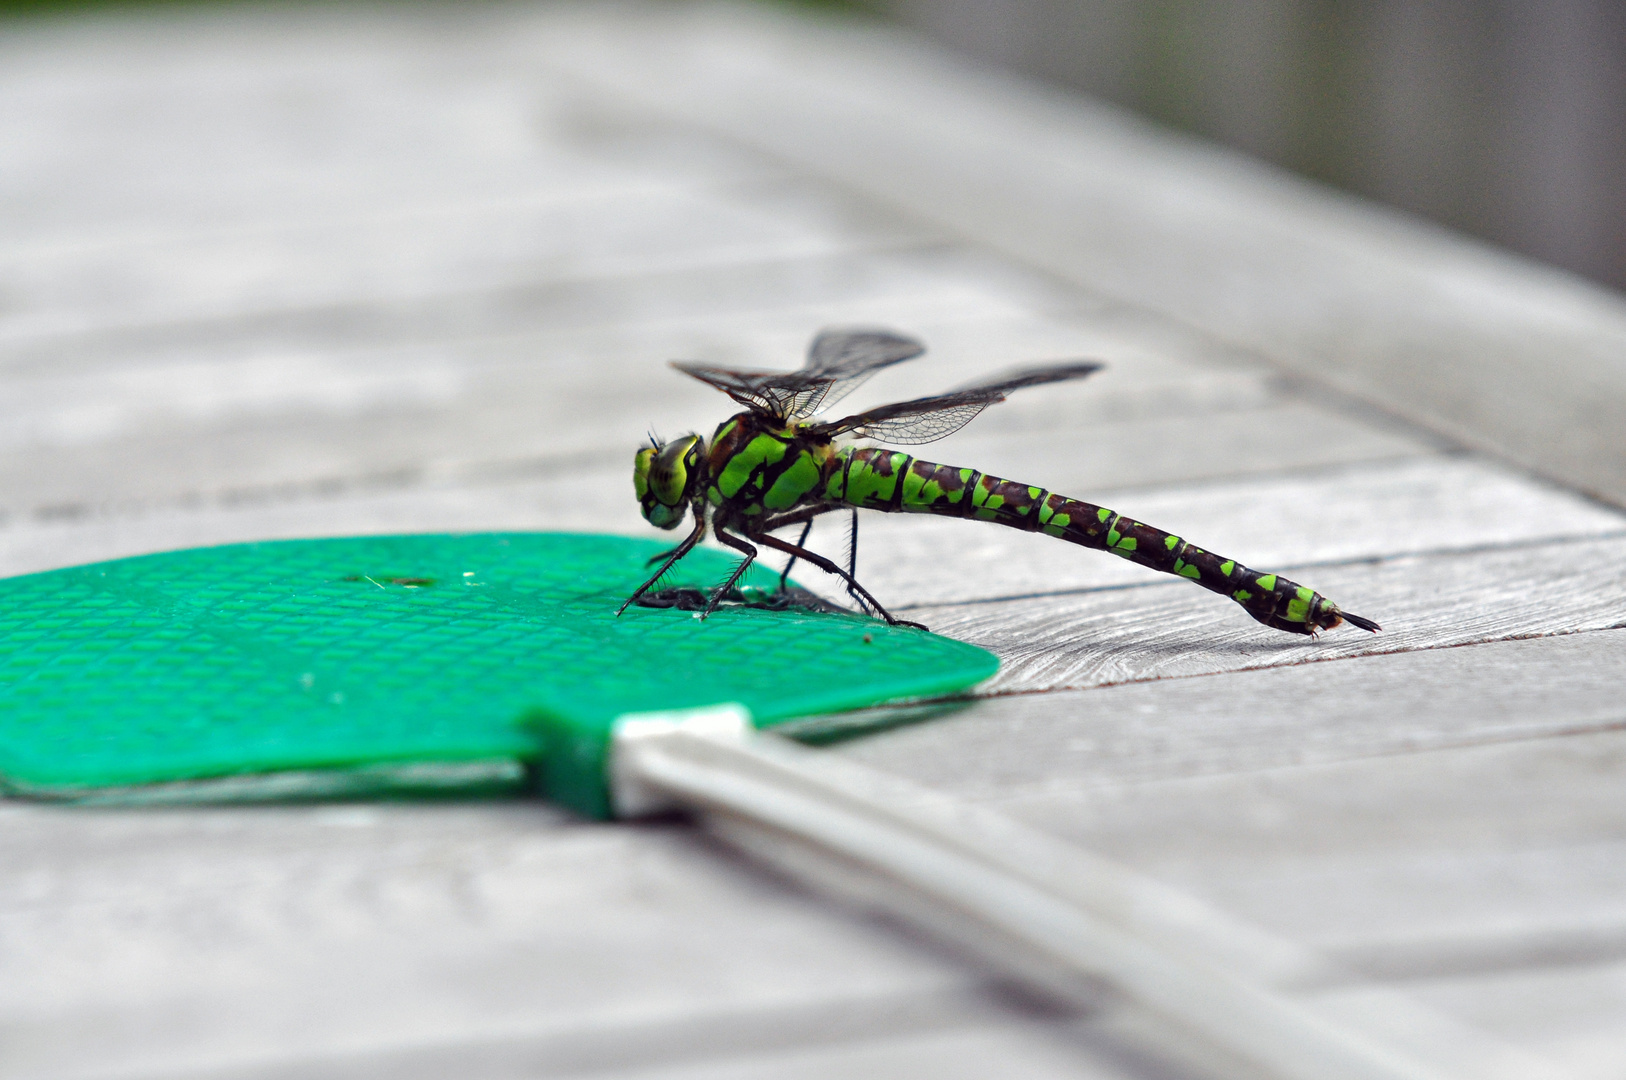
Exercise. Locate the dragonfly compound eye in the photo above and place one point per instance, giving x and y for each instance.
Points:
(640, 472)
(663, 478)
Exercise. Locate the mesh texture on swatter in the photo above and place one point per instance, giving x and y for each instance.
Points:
(321, 653)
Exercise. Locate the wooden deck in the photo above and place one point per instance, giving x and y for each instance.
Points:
(308, 271)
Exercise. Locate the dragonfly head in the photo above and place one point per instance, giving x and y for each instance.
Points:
(666, 476)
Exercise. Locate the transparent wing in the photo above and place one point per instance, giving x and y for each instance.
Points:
(922, 427)
(837, 362)
(928, 419)
(1020, 378)
(842, 352)
(761, 391)
(845, 358)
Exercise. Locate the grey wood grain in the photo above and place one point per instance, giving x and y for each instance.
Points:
(1447, 820)
(961, 1054)
(1155, 631)
(1028, 745)
(269, 110)
(805, 1042)
(313, 397)
(1410, 814)
(547, 494)
(147, 422)
(364, 940)
(1568, 1014)
(694, 294)
(95, 385)
(396, 257)
(1406, 868)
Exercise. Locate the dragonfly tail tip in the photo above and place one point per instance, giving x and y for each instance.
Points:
(1364, 623)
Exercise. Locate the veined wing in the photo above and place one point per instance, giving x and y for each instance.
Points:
(846, 357)
(837, 362)
(928, 419)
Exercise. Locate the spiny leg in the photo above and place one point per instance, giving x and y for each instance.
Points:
(738, 545)
(852, 559)
(852, 547)
(671, 558)
(807, 514)
(663, 555)
(852, 567)
(831, 568)
(784, 520)
(801, 541)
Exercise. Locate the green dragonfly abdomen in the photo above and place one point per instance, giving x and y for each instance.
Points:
(891, 481)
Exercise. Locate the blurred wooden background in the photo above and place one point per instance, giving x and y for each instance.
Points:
(1504, 120)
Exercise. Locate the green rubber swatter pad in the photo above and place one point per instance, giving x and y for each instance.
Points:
(308, 654)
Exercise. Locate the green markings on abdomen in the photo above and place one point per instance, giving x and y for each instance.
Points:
(1269, 598)
(871, 481)
(930, 488)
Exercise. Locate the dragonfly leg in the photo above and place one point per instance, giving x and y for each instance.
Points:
(862, 594)
(801, 541)
(792, 517)
(671, 557)
(663, 555)
(852, 558)
(738, 545)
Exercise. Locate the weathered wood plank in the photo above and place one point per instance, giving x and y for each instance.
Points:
(1407, 862)
(1090, 1050)
(396, 257)
(1155, 631)
(1569, 1014)
(604, 338)
(136, 421)
(1449, 810)
(344, 940)
(1449, 821)
(568, 495)
(1244, 721)
(91, 385)
(392, 111)
(840, 282)
(1454, 859)
(1541, 940)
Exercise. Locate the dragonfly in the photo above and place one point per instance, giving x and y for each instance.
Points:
(776, 465)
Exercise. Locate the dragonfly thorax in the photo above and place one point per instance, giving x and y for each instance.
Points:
(762, 466)
(666, 477)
